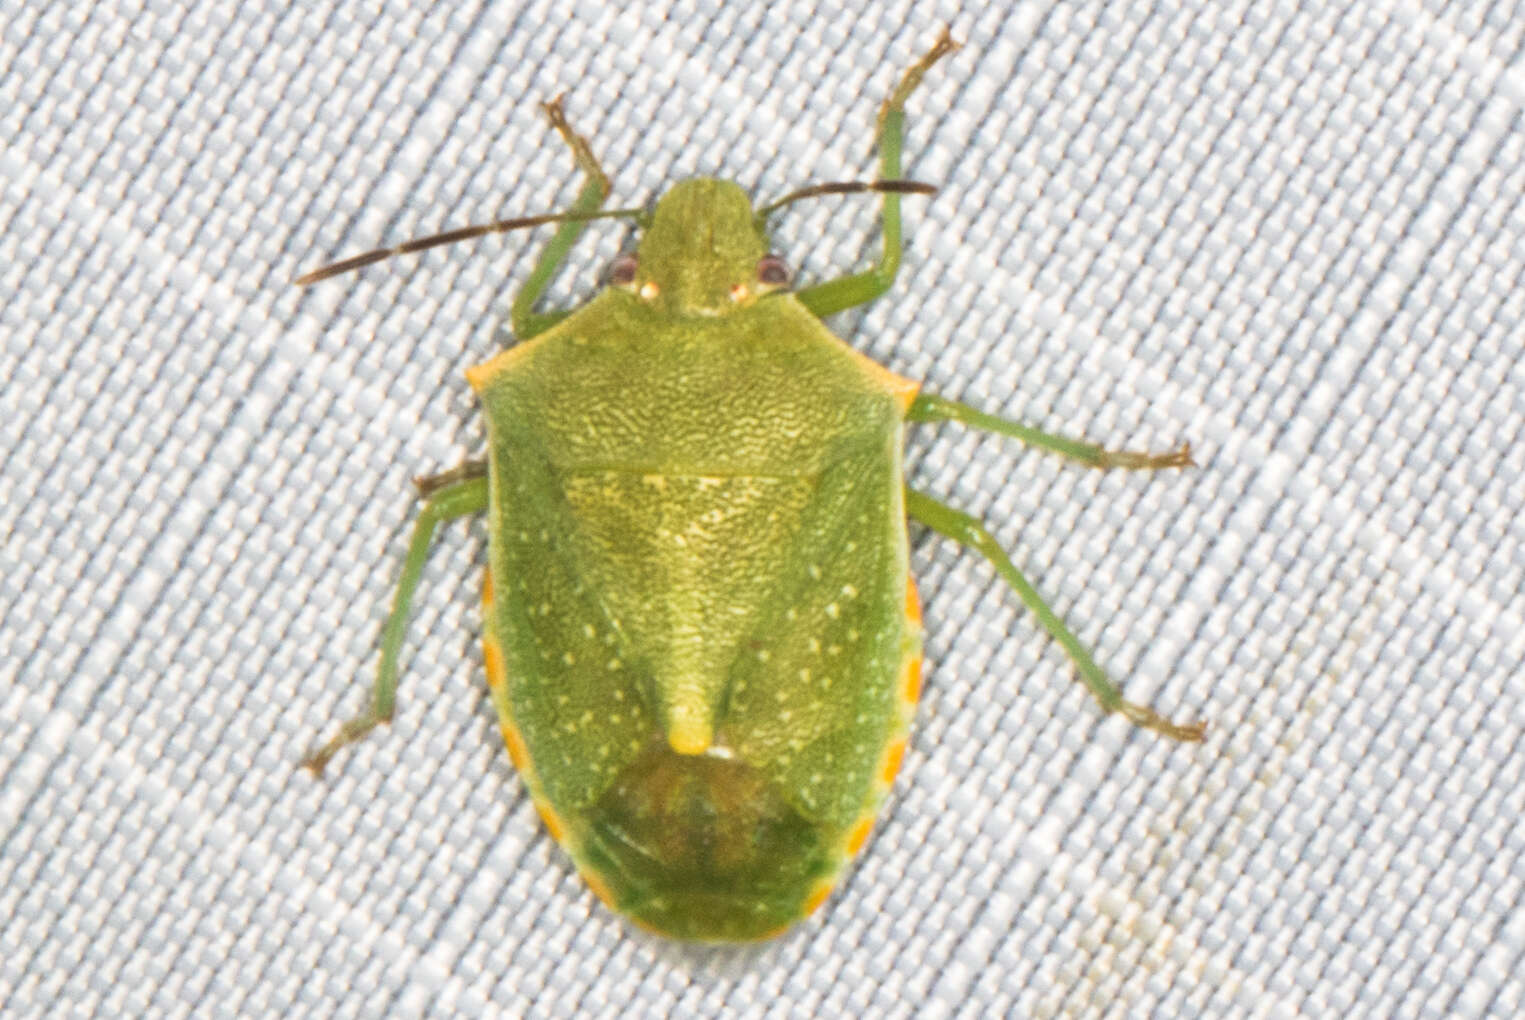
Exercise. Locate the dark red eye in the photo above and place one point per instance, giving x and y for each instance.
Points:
(772, 271)
(622, 270)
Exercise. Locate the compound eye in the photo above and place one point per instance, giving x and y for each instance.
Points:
(622, 270)
(772, 271)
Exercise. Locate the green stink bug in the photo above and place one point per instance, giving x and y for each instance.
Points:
(700, 631)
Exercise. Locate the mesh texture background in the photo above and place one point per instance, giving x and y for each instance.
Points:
(1290, 232)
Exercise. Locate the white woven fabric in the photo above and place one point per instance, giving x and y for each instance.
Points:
(1289, 232)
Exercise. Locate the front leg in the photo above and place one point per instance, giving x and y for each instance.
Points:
(845, 292)
(525, 320)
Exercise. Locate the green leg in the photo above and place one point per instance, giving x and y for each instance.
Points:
(965, 530)
(526, 321)
(928, 407)
(454, 500)
(845, 292)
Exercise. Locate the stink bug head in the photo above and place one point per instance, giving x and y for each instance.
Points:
(701, 253)
(705, 251)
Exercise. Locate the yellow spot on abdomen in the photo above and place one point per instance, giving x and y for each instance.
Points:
(912, 602)
(517, 752)
(600, 887)
(818, 895)
(910, 677)
(492, 658)
(892, 759)
(492, 655)
(910, 681)
(552, 820)
(859, 835)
